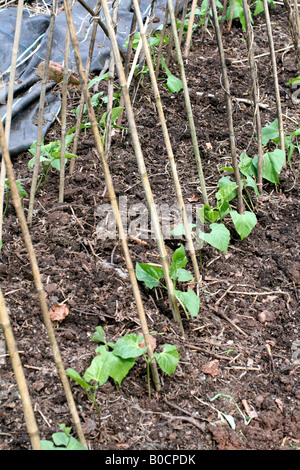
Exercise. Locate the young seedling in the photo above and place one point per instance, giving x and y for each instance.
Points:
(115, 360)
(21, 191)
(151, 275)
(62, 441)
(50, 156)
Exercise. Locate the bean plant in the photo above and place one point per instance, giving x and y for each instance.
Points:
(115, 360)
(152, 276)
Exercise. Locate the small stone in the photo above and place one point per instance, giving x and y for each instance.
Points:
(266, 316)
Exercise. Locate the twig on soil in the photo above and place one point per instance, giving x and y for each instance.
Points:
(224, 316)
(189, 419)
(209, 353)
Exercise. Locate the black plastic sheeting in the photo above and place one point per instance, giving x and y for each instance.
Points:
(32, 51)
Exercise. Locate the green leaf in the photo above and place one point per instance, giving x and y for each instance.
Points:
(184, 276)
(119, 367)
(168, 358)
(227, 190)
(190, 300)
(180, 230)
(97, 371)
(272, 164)
(174, 84)
(128, 346)
(77, 378)
(259, 7)
(243, 223)
(114, 115)
(269, 132)
(99, 335)
(219, 237)
(179, 260)
(149, 274)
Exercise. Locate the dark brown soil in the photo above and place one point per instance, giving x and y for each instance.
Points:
(256, 284)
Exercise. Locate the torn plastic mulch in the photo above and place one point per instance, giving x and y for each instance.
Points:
(32, 51)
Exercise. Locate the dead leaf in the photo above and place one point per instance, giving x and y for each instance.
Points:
(59, 312)
(208, 145)
(193, 198)
(211, 368)
(142, 344)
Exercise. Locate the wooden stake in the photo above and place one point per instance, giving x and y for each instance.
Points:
(41, 113)
(87, 71)
(64, 118)
(190, 30)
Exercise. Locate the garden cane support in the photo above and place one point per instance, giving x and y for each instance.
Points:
(20, 376)
(38, 283)
(188, 104)
(112, 197)
(10, 103)
(142, 169)
(41, 113)
(240, 204)
(167, 141)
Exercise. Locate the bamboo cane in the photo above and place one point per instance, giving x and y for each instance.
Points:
(19, 374)
(190, 30)
(87, 71)
(255, 92)
(112, 196)
(275, 76)
(142, 170)
(41, 113)
(110, 94)
(38, 282)
(183, 16)
(10, 102)
(161, 42)
(167, 141)
(188, 104)
(64, 118)
(206, 19)
(294, 27)
(170, 43)
(240, 204)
